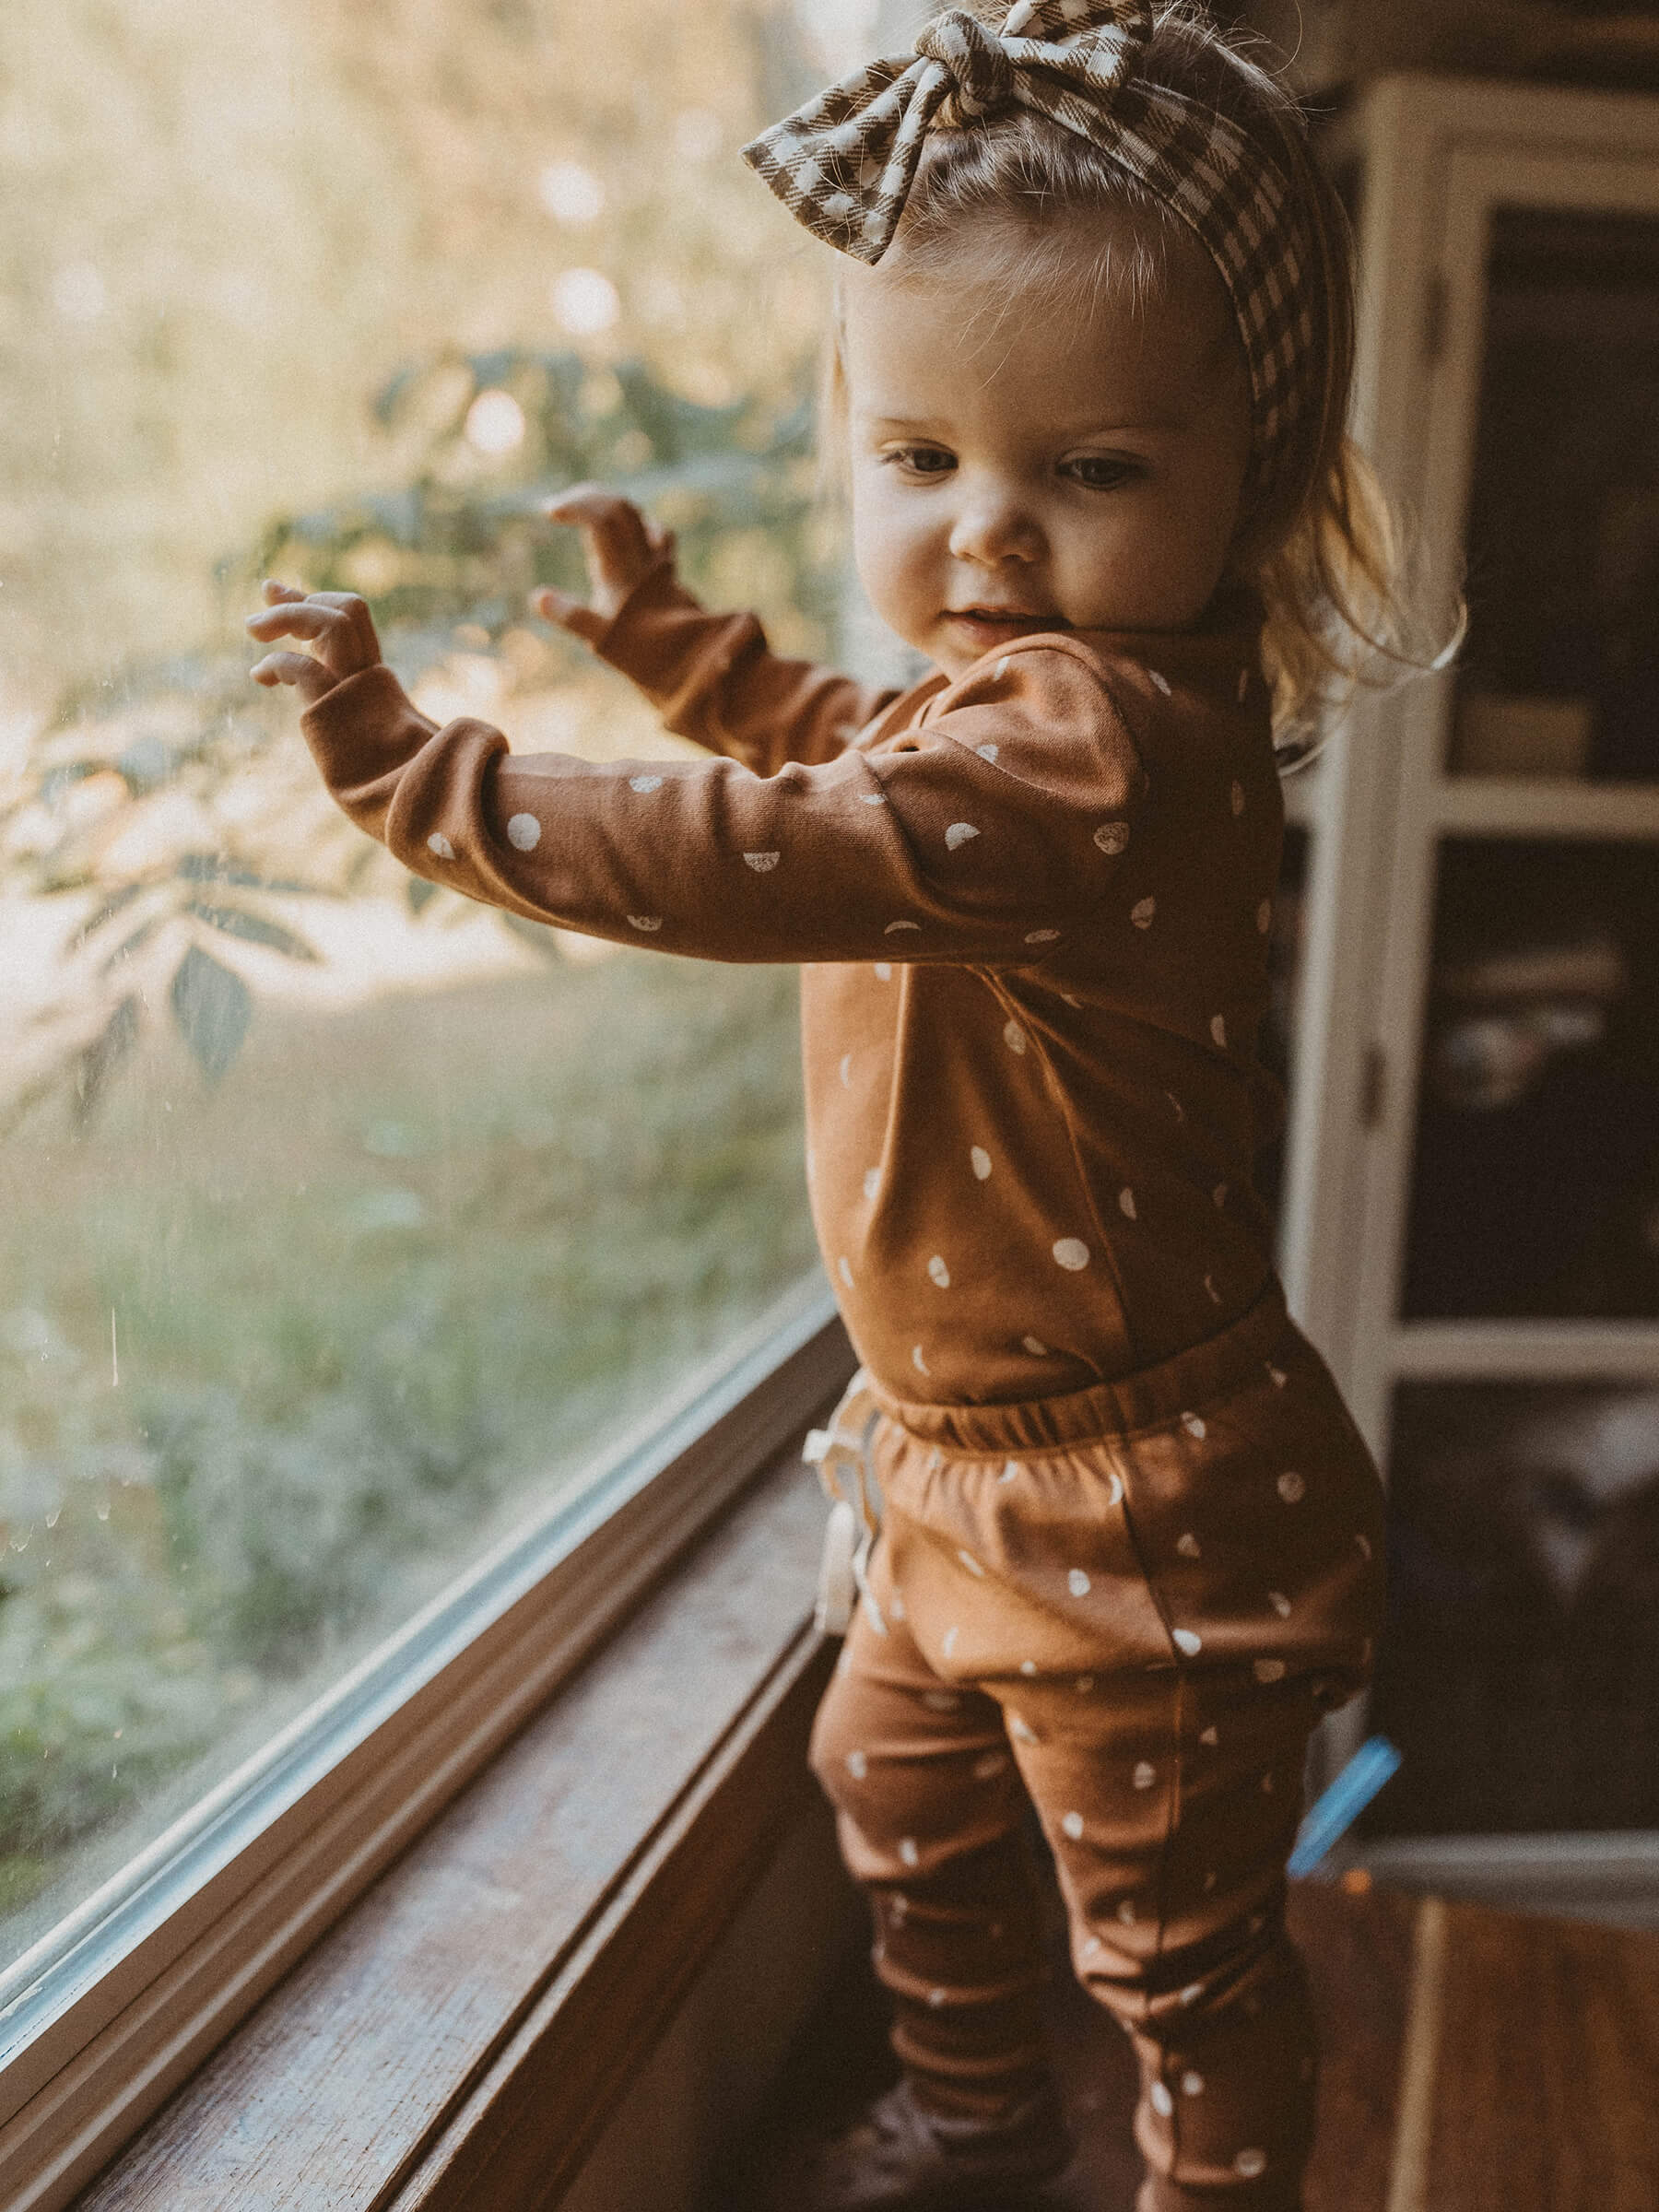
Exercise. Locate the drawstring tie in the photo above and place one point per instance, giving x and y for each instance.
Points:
(843, 1455)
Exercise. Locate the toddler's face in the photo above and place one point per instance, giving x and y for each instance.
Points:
(1045, 459)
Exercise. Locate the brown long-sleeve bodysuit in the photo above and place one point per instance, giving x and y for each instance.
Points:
(1132, 1544)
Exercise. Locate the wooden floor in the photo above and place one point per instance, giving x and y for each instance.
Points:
(1475, 2062)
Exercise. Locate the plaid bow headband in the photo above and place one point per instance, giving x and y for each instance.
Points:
(843, 164)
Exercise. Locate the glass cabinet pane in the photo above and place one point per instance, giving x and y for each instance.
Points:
(1537, 1183)
(1561, 673)
(1520, 1671)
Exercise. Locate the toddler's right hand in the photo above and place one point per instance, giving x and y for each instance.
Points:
(622, 546)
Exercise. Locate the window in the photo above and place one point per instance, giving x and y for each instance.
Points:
(346, 1229)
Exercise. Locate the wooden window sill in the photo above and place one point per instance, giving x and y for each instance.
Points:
(461, 2036)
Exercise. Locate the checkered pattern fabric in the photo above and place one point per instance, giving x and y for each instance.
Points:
(843, 164)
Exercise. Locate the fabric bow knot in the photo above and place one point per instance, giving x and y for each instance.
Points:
(845, 164)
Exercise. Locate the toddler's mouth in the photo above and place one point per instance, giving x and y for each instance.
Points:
(998, 625)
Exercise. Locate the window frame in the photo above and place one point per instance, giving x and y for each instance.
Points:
(113, 2008)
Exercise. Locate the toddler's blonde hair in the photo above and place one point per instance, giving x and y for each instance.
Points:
(1324, 547)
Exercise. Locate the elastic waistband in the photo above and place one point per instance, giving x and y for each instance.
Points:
(1145, 1400)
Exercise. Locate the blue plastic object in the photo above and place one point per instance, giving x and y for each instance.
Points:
(1334, 1811)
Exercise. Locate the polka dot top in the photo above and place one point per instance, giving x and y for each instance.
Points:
(1032, 909)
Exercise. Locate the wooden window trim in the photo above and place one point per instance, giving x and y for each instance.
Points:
(187, 1949)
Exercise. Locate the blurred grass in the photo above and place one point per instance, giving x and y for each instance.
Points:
(401, 1269)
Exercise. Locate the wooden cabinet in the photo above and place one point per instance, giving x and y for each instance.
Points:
(1471, 1183)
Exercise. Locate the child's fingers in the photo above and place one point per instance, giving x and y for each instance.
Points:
(569, 612)
(338, 623)
(307, 675)
(621, 544)
(274, 592)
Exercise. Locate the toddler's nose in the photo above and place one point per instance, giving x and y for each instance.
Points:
(993, 526)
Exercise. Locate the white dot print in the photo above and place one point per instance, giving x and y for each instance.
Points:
(1042, 936)
(1292, 1488)
(1264, 916)
(894, 928)
(884, 971)
(846, 1069)
(1126, 1205)
(644, 784)
(1078, 1583)
(1211, 1290)
(874, 798)
(525, 831)
(647, 924)
(1144, 914)
(1114, 1491)
(987, 1768)
(858, 1765)
(1248, 2163)
(872, 1181)
(1219, 1029)
(1179, 1110)
(908, 1852)
(1011, 1472)
(1210, 1737)
(1014, 1037)
(1244, 685)
(1188, 1547)
(1125, 1911)
(1145, 1775)
(762, 863)
(844, 1268)
(1072, 1254)
(958, 834)
(1112, 837)
(1268, 1670)
(1035, 1345)
(1238, 799)
(988, 752)
(1194, 1426)
(948, 1643)
(941, 1700)
(1162, 2102)
(1364, 1545)
(441, 845)
(1162, 682)
(1277, 1377)
(1021, 1730)
(1192, 2085)
(1266, 1785)
(1028, 1666)
(982, 1162)
(1084, 1685)
(917, 1362)
(971, 1564)
(1194, 1990)
(1072, 1824)
(1000, 670)
(1280, 1603)
(1188, 1642)
(1219, 1195)
(939, 1272)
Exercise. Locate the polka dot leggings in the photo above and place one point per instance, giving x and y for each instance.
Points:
(1129, 1608)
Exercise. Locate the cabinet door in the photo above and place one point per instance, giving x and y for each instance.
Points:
(1540, 275)
(1499, 1340)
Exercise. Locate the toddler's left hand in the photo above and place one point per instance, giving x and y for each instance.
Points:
(338, 625)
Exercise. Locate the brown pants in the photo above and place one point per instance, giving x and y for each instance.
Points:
(1134, 1602)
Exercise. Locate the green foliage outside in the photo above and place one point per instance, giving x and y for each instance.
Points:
(377, 1269)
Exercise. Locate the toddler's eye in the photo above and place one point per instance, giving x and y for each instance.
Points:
(1100, 472)
(919, 460)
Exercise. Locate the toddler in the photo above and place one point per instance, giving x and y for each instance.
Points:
(1091, 362)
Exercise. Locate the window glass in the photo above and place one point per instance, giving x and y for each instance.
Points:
(340, 1220)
